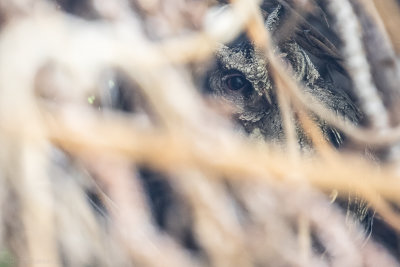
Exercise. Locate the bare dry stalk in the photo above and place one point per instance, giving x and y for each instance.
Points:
(349, 28)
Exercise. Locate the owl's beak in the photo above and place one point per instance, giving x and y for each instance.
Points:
(268, 97)
(263, 92)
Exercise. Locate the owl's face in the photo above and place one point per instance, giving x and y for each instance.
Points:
(241, 77)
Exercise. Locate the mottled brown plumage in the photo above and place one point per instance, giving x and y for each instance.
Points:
(242, 78)
(255, 104)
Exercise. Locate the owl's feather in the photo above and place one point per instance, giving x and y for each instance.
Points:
(256, 109)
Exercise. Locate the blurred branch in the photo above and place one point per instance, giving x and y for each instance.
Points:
(249, 204)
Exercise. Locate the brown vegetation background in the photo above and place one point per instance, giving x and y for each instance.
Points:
(244, 202)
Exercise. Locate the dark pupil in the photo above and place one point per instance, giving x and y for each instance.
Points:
(236, 82)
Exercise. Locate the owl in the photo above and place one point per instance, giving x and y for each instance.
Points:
(242, 78)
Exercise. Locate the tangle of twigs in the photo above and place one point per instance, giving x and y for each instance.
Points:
(73, 187)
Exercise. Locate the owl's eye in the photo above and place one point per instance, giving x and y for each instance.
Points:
(237, 82)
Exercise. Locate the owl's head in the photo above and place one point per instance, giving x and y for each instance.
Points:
(242, 78)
